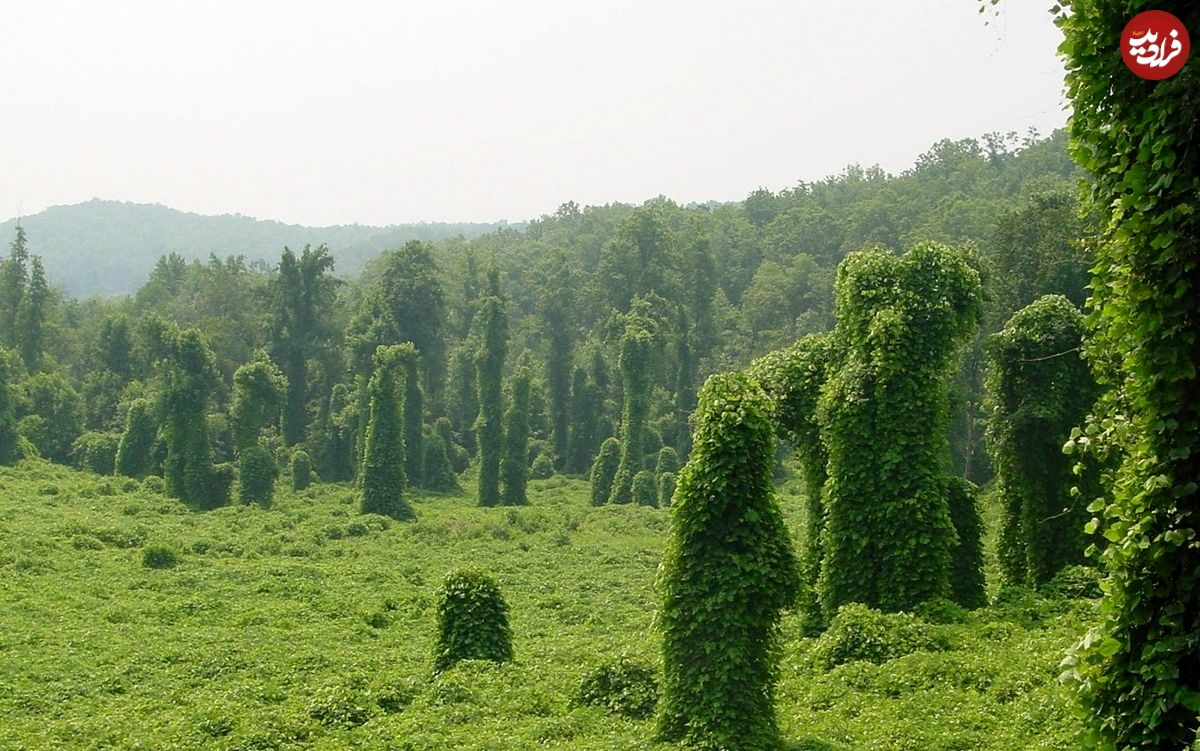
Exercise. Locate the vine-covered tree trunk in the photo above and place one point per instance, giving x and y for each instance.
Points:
(382, 473)
(636, 346)
(727, 574)
(888, 536)
(514, 469)
(488, 429)
(1139, 140)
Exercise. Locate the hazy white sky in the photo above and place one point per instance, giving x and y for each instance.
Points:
(381, 112)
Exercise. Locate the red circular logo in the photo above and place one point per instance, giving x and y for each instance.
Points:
(1155, 44)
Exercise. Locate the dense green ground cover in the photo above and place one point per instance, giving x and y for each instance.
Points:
(310, 626)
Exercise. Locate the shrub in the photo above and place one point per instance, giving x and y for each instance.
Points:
(439, 473)
(858, 632)
(645, 489)
(543, 467)
(96, 452)
(666, 488)
(154, 484)
(256, 475)
(134, 453)
(604, 469)
(472, 619)
(302, 469)
(625, 687)
(159, 556)
(668, 461)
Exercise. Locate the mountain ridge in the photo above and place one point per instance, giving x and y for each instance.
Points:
(108, 247)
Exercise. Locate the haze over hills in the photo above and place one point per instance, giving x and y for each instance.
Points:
(109, 247)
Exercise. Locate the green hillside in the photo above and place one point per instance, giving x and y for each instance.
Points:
(108, 247)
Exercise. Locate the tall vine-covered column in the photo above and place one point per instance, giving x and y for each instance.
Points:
(727, 574)
(489, 428)
(1039, 387)
(1140, 670)
(637, 345)
(888, 535)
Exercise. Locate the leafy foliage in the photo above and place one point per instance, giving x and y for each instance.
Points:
(604, 470)
(96, 451)
(637, 345)
(9, 435)
(727, 573)
(514, 466)
(858, 632)
(1140, 669)
(793, 378)
(189, 374)
(967, 585)
(666, 488)
(472, 620)
(439, 474)
(134, 453)
(888, 537)
(256, 475)
(1039, 389)
(645, 489)
(490, 367)
(624, 686)
(302, 469)
(382, 473)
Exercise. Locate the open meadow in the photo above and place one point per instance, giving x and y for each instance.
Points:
(128, 621)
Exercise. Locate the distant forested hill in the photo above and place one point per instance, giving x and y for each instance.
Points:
(106, 247)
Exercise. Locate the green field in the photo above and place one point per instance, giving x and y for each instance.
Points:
(310, 626)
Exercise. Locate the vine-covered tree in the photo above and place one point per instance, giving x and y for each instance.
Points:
(586, 403)
(556, 280)
(514, 468)
(335, 436)
(259, 390)
(9, 437)
(489, 429)
(793, 378)
(727, 574)
(382, 478)
(637, 345)
(14, 275)
(32, 316)
(1139, 141)
(465, 393)
(414, 424)
(604, 469)
(51, 415)
(302, 469)
(135, 452)
(302, 297)
(412, 302)
(1039, 388)
(883, 416)
(257, 472)
(189, 374)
